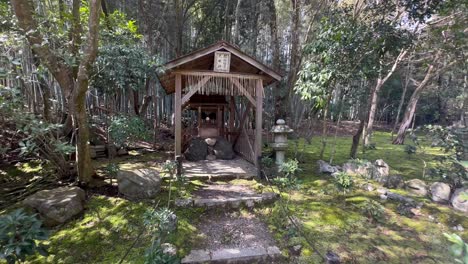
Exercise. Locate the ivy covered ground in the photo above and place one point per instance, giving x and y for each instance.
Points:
(345, 223)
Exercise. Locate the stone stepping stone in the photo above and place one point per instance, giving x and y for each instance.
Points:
(219, 170)
(226, 196)
(235, 255)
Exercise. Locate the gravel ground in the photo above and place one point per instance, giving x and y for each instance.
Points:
(233, 230)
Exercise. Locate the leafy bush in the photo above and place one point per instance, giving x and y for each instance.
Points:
(374, 210)
(290, 168)
(39, 137)
(112, 169)
(344, 181)
(370, 146)
(124, 129)
(159, 223)
(19, 233)
(267, 162)
(449, 168)
(410, 149)
(459, 248)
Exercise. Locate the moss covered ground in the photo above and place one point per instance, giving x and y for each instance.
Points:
(337, 221)
(331, 219)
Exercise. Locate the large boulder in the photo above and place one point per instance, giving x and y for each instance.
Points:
(380, 171)
(197, 150)
(139, 183)
(324, 167)
(417, 186)
(459, 199)
(358, 168)
(57, 206)
(223, 149)
(440, 192)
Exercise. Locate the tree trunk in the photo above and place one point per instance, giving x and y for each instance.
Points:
(237, 23)
(294, 55)
(276, 56)
(402, 101)
(411, 108)
(80, 118)
(375, 96)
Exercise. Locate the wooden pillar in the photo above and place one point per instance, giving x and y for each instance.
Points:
(178, 114)
(258, 120)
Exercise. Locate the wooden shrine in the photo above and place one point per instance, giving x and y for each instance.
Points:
(218, 91)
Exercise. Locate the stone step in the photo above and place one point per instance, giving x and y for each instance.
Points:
(228, 202)
(219, 177)
(219, 170)
(235, 255)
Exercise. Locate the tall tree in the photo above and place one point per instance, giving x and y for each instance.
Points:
(74, 88)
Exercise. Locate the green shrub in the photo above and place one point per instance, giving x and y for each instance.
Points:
(19, 233)
(373, 210)
(344, 181)
(290, 168)
(459, 248)
(159, 223)
(267, 162)
(124, 129)
(410, 149)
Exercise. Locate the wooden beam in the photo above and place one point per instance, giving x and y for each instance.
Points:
(221, 74)
(194, 90)
(243, 91)
(258, 121)
(178, 115)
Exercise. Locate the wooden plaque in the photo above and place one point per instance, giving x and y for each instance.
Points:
(222, 61)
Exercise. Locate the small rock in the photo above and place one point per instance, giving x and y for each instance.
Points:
(440, 192)
(382, 190)
(459, 199)
(57, 206)
(417, 186)
(297, 249)
(458, 228)
(169, 249)
(394, 182)
(211, 157)
(184, 202)
(324, 167)
(332, 258)
(383, 197)
(210, 141)
(368, 187)
(249, 203)
(139, 183)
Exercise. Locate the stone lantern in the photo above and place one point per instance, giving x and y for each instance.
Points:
(280, 144)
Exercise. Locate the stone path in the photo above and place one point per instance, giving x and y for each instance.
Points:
(229, 236)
